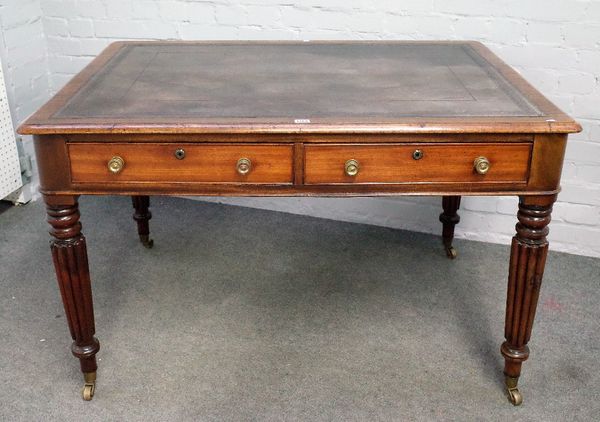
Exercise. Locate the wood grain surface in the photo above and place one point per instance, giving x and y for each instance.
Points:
(202, 163)
(324, 164)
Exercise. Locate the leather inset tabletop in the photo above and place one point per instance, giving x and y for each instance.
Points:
(297, 81)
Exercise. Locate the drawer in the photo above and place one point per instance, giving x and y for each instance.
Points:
(414, 163)
(202, 163)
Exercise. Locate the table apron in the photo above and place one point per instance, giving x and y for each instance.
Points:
(520, 165)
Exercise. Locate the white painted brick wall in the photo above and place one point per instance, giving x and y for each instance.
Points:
(555, 44)
(24, 58)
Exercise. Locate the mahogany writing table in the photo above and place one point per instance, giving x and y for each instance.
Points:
(300, 119)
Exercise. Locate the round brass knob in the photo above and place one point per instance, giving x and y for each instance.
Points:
(116, 164)
(482, 165)
(352, 167)
(417, 154)
(244, 165)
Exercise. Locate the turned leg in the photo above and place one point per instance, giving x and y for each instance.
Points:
(449, 219)
(141, 215)
(71, 264)
(527, 260)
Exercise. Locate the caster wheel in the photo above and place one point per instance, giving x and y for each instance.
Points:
(515, 397)
(88, 391)
(451, 252)
(146, 241)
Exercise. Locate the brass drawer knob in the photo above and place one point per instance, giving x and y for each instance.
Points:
(244, 165)
(352, 167)
(116, 164)
(482, 165)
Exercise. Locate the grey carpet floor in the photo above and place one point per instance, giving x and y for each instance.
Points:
(247, 315)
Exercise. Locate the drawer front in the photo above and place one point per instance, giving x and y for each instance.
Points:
(201, 163)
(401, 163)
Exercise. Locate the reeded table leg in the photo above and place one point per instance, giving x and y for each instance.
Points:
(527, 260)
(142, 215)
(449, 219)
(71, 264)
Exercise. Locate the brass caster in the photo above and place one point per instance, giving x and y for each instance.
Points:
(89, 387)
(146, 241)
(514, 395)
(451, 252)
(88, 391)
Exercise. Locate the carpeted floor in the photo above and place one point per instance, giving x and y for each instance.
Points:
(246, 315)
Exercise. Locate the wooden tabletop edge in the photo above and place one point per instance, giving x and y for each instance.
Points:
(569, 126)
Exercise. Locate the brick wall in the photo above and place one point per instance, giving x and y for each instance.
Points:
(555, 44)
(24, 60)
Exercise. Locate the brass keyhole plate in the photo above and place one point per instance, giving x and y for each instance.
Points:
(417, 154)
